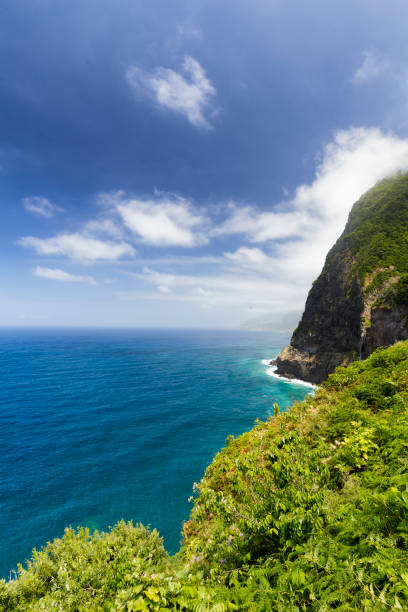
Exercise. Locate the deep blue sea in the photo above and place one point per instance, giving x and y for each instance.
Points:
(99, 425)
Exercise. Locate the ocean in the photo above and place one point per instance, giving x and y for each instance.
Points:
(99, 425)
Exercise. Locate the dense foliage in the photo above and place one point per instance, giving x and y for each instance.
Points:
(376, 234)
(307, 511)
(382, 212)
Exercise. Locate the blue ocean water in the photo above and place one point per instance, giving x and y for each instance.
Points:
(99, 425)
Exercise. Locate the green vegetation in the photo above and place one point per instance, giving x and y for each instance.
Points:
(400, 292)
(376, 235)
(125, 569)
(307, 511)
(379, 279)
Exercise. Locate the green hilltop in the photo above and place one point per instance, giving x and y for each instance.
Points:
(307, 511)
(376, 234)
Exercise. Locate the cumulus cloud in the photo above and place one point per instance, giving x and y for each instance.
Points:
(248, 257)
(162, 221)
(61, 275)
(41, 206)
(165, 220)
(370, 68)
(104, 227)
(352, 163)
(260, 227)
(77, 246)
(188, 95)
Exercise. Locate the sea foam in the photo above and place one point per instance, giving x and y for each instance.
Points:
(271, 370)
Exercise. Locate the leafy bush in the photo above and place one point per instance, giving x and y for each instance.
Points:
(125, 569)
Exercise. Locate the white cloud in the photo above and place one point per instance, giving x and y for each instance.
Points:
(187, 31)
(370, 68)
(204, 292)
(104, 227)
(352, 163)
(248, 257)
(77, 246)
(41, 206)
(61, 275)
(163, 221)
(188, 96)
(224, 287)
(231, 296)
(260, 227)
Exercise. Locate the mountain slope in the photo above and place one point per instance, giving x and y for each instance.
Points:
(360, 300)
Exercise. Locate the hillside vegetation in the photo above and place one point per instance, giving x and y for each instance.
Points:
(376, 240)
(307, 511)
(376, 233)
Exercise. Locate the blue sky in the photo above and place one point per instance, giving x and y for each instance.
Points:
(188, 163)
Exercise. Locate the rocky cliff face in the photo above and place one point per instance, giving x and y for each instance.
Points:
(360, 300)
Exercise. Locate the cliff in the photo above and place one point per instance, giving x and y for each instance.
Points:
(360, 300)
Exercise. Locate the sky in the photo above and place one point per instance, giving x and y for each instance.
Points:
(188, 163)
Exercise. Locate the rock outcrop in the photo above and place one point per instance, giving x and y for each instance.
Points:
(360, 300)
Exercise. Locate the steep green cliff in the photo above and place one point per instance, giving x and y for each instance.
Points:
(360, 300)
(308, 511)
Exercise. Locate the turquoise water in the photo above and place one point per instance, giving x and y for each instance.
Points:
(99, 425)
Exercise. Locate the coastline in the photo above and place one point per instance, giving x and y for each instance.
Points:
(271, 371)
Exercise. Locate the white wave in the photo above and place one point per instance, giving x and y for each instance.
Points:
(271, 371)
